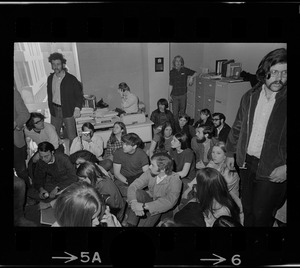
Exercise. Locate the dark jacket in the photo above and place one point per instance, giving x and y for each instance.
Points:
(158, 120)
(70, 93)
(224, 133)
(273, 152)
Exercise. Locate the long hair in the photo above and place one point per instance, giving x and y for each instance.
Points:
(161, 142)
(30, 122)
(112, 137)
(77, 205)
(181, 60)
(90, 170)
(211, 186)
(162, 102)
(85, 154)
(183, 139)
(272, 58)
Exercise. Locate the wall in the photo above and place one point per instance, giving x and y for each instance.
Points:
(249, 54)
(192, 54)
(104, 65)
(158, 82)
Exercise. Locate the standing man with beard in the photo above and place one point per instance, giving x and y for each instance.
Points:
(65, 96)
(258, 138)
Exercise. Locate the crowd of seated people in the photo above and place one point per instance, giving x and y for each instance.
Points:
(180, 180)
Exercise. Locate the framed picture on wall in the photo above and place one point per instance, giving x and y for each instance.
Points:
(159, 64)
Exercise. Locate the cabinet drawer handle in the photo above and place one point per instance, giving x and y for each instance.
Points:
(209, 99)
(210, 85)
(218, 101)
(199, 97)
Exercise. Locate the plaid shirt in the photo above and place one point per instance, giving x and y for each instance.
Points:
(111, 148)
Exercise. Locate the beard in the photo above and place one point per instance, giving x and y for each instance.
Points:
(201, 140)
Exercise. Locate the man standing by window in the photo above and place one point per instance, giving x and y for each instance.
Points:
(65, 96)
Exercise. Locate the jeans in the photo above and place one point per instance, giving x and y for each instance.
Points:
(179, 105)
(69, 123)
(260, 197)
(142, 221)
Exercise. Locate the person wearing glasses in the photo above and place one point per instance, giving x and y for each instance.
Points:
(38, 130)
(222, 128)
(258, 138)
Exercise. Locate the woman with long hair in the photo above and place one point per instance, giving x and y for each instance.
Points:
(115, 140)
(79, 205)
(92, 174)
(218, 162)
(213, 199)
(182, 125)
(162, 141)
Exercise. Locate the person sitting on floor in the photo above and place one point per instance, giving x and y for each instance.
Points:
(91, 173)
(130, 162)
(183, 125)
(88, 141)
(202, 144)
(164, 190)
(115, 140)
(213, 200)
(54, 171)
(205, 118)
(161, 141)
(161, 115)
(80, 205)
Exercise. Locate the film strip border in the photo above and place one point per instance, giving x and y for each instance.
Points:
(155, 22)
(149, 246)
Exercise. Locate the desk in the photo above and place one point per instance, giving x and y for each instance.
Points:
(144, 130)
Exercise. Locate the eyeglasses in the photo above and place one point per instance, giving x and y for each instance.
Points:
(216, 119)
(41, 120)
(275, 73)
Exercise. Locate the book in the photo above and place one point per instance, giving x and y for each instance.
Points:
(47, 216)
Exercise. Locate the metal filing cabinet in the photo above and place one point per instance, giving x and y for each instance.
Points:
(217, 96)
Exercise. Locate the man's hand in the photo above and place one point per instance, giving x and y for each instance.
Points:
(43, 194)
(170, 98)
(76, 112)
(54, 192)
(278, 175)
(230, 162)
(137, 208)
(15, 125)
(191, 81)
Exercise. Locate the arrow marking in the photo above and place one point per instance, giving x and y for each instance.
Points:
(70, 257)
(220, 259)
